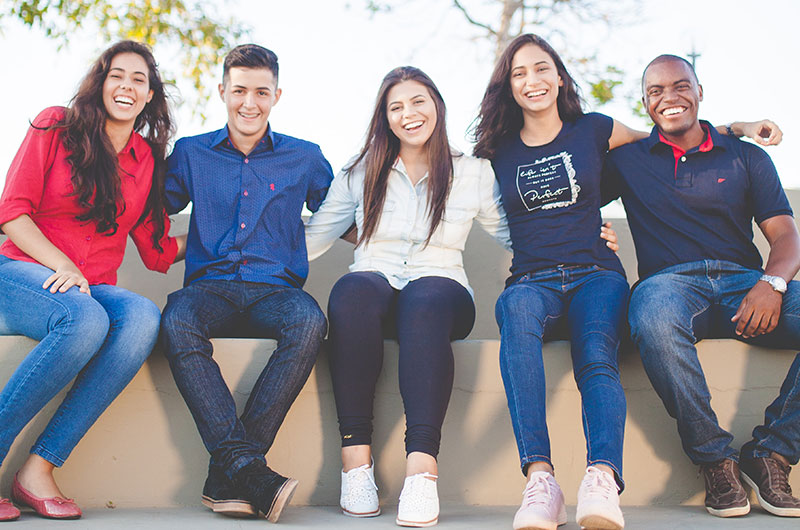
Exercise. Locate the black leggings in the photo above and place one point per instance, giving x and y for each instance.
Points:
(424, 317)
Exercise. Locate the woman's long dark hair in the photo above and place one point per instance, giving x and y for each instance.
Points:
(382, 148)
(501, 116)
(95, 167)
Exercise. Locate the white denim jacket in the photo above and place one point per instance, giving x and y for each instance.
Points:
(397, 248)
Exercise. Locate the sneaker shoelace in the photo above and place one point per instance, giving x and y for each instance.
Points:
(599, 484)
(418, 483)
(538, 491)
(361, 477)
(719, 478)
(779, 475)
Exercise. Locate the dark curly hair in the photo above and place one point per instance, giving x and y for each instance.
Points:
(95, 167)
(500, 116)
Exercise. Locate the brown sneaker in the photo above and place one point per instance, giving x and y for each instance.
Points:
(770, 480)
(725, 496)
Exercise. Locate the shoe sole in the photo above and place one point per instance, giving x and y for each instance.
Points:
(730, 512)
(230, 507)
(360, 514)
(416, 524)
(598, 522)
(282, 498)
(543, 524)
(774, 510)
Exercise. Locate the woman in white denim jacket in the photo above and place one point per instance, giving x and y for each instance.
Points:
(413, 200)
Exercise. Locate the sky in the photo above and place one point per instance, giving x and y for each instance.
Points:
(333, 55)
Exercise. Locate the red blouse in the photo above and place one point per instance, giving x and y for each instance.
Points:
(39, 184)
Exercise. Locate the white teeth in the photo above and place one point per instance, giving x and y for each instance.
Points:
(536, 93)
(412, 125)
(672, 110)
(124, 100)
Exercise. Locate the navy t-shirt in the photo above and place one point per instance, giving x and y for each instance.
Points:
(698, 206)
(551, 195)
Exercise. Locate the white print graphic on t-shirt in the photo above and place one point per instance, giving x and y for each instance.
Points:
(548, 182)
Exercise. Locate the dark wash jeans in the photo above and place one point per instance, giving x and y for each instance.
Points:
(586, 304)
(215, 308)
(678, 306)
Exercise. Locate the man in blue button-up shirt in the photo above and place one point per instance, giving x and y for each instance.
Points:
(245, 266)
(691, 196)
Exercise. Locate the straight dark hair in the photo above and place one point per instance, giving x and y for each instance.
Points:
(382, 148)
(95, 166)
(500, 116)
(250, 56)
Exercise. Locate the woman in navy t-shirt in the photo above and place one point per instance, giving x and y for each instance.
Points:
(566, 282)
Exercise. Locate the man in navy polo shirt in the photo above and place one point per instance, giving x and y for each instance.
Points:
(245, 267)
(691, 195)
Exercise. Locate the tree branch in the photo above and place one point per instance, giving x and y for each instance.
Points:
(471, 20)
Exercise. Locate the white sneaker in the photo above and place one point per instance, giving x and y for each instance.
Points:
(542, 504)
(419, 501)
(598, 501)
(359, 496)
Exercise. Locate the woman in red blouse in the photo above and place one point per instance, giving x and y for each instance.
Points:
(83, 179)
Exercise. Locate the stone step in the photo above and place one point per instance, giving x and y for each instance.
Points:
(453, 517)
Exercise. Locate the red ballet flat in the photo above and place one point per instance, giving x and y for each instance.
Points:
(52, 507)
(8, 512)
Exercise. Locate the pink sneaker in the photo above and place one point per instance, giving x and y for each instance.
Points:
(542, 504)
(598, 501)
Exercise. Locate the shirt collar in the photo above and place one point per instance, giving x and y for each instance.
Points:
(136, 144)
(222, 138)
(712, 139)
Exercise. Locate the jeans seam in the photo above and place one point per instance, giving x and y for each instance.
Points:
(39, 362)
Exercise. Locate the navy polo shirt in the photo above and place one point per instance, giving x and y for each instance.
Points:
(245, 223)
(696, 205)
(551, 195)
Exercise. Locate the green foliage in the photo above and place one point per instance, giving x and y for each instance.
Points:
(602, 90)
(189, 26)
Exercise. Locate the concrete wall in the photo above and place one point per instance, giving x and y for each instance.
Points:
(145, 451)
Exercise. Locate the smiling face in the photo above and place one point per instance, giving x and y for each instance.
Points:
(411, 113)
(534, 80)
(672, 97)
(249, 95)
(126, 89)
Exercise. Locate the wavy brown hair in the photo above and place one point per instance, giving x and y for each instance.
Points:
(95, 166)
(500, 116)
(382, 148)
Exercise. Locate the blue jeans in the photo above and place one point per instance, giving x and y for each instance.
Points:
(587, 304)
(100, 341)
(678, 306)
(216, 308)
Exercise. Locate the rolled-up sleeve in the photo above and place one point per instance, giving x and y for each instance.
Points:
(25, 180)
(153, 258)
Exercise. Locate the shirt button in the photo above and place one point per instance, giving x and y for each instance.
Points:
(88, 238)
(81, 263)
(245, 193)
(246, 160)
(683, 159)
(242, 225)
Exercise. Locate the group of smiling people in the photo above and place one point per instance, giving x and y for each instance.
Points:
(89, 174)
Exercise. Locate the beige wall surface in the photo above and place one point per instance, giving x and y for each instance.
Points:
(145, 450)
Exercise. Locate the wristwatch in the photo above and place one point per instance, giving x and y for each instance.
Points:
(777, 283)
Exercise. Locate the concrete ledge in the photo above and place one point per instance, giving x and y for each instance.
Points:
(453, 517)
(145, 450)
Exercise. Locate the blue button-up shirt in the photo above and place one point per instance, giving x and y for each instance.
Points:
(245, 223)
